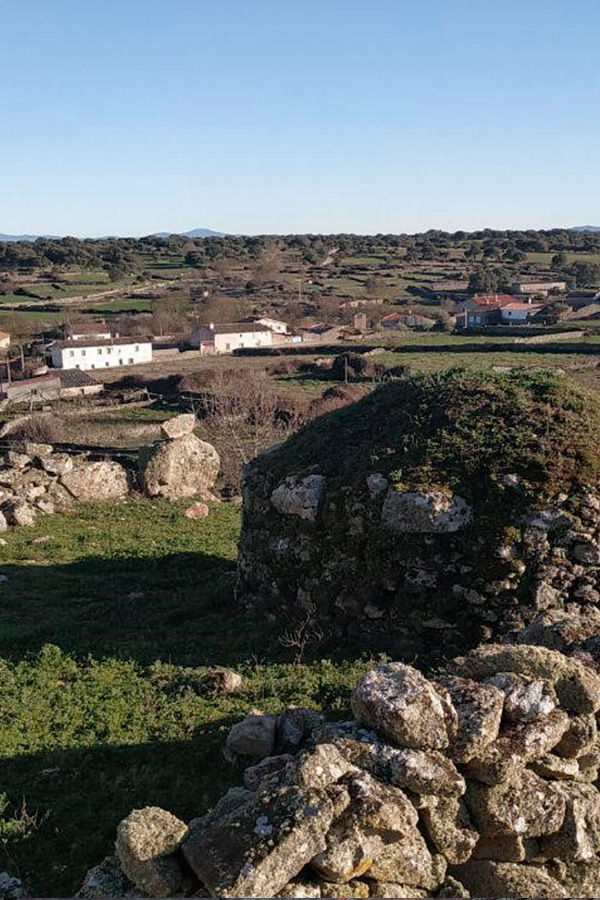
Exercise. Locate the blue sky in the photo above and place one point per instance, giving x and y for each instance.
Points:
(254, 116)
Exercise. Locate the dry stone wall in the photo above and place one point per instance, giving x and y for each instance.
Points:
(35, 479)
(479, 782)
(418, 567)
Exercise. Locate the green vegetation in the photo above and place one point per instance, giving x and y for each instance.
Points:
(470, 427)
(107, 624)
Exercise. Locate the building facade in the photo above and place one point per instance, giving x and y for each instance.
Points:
(93, 354)
(217, 339)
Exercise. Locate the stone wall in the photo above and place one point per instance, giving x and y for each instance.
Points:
(35, 479)
(481, 782)
(370, 522)
(415, 566)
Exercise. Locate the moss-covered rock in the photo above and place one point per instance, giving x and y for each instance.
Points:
(451, 508)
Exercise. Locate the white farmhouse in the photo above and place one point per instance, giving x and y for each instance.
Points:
(90, 330)
(275, 325)
(99, 354)
(213, 339)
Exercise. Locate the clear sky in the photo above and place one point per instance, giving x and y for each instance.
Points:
(253, 116)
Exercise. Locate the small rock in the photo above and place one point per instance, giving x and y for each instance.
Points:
(197, 511)
(418, 512)
(300, 497)
(57, 464)
(253, 737)
(178, 426)
(527, 699)
(146, 840)
(487, 878)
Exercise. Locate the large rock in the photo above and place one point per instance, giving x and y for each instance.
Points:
(57, 464)
(253, 737)
(146, 842)
(487, 878)
(105, 480)
(179, 468)
(401, 704)
(526, 806)
(425, 512)
(300, 497)
(449, 827)
(261, 846)
(479, 709)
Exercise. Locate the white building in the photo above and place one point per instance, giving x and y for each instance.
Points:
(275, 325)
(97, 354)
(213, 339)
(520, 313)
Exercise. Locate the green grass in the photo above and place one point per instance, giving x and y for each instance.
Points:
(108, 621)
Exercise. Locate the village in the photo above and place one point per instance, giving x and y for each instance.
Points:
(70, 361)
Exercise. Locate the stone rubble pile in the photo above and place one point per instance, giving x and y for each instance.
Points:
(480, 782)
(36, 479)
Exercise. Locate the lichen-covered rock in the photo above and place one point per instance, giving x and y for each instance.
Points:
(106, 881)
(580, 737)
(576, 686)
(146, 842)
(424, 512)
(409, 861)
(424, 772)
(579, 836)
(479, 709)
(261, 846)
(322, 767)
(253, 737)
(104, 480)
(179, 468)
(272, 770)
(295, 726)
(516, 746)
(17, 512)
(58, 464)
(401, 704)
(526, 806)
(487, 878)
(178, 426)
(376, 814)
(389, 889)
(449, 827)
(301, 497)
(526, 698)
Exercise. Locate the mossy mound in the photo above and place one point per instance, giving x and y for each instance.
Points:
(461, 428)
(437, 512)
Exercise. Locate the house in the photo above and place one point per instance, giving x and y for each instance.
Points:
(580, 299)
(101, 354)
(477, 301)
(92, 329)
(321, 333)
(4, 340)
(75, 383)
(35, 390)
(275, 325)
(479, 316)
(538, 288)
(521, 313)
(214, 339)
(51, 386)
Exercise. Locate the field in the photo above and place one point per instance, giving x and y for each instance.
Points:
(107, 624)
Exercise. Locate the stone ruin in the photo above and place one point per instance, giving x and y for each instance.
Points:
(434, 514)
(478, 782)
(37, 480)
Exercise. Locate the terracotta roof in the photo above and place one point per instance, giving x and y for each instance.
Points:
(94, 327)
(493, 299)
(530, 306)
(4, 334)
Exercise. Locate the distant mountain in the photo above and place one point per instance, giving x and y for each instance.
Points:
(194, 233)
(586, 228)
(6, 238)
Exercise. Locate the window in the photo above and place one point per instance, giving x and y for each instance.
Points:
(107, 363)
(137, 348)
(130, 361)
(93, 366)
(71, 353)
(83, 352)
(109, 349)
(99, 351)
(228, 346)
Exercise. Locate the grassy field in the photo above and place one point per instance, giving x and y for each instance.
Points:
(108, 621)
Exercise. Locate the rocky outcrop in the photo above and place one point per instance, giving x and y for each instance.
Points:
(471, 783)
(406, 521)
(180, 466)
